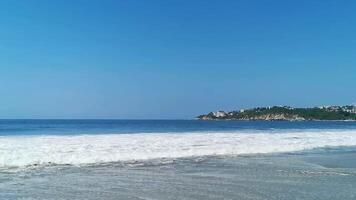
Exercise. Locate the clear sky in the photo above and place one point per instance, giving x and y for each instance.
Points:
(173, 59)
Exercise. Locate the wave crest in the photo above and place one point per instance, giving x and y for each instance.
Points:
(19, 151)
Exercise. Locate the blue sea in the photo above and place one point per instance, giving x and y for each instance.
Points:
(177, 159)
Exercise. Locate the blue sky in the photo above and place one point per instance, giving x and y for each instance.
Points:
(173, 59)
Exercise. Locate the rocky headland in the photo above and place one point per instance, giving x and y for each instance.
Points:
(286, 113)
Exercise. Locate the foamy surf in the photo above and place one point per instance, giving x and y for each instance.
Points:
(20, 151)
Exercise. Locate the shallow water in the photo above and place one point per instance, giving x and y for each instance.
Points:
(307, 176)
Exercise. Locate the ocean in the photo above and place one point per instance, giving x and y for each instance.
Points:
(177, 159)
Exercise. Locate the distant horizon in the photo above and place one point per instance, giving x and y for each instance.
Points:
(148, 119)
(172, 59)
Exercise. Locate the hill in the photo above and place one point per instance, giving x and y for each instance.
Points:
(286, 113)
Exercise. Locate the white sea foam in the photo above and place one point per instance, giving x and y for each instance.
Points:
(19, 151)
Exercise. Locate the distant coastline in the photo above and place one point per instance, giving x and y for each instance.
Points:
(286, 113)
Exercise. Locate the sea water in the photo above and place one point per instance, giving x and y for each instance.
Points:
(177, 159)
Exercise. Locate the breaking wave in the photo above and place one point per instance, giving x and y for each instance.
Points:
(20, 151)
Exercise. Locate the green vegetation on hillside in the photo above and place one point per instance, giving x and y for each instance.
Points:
(287, 113)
